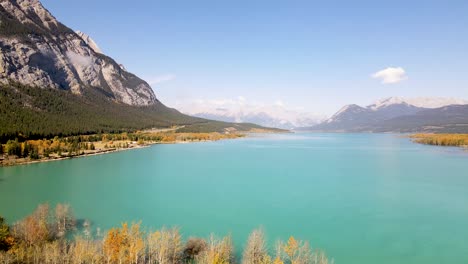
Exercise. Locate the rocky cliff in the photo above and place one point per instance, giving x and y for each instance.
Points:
(36, 49)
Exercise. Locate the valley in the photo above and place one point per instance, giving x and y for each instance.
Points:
(171, 123)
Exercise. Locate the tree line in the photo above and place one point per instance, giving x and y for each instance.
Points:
(28, 112)
(16, 152)
(43, 237)
(35, 113)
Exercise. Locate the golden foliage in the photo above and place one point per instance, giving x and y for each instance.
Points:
(291, 247)
(35, 228)
(124, 244)
(456, 140)
(85, 251)
(47, 149)
(165, 246)
(298, 252)
(219, 251)
(38, 242)
(278, 261)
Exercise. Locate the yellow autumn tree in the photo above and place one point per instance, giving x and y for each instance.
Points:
(219, 251)
(255, 252)
(35, 229)
(299, 252)
(124, 244)
(164, 246)
(136, 244)
(113, 244)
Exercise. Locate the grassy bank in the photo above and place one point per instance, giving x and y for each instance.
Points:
(15, 152)
(454, 140)
(41, 238)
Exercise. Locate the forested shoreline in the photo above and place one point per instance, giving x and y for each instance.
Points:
(15, 152)
(53, 235)
(33, 113)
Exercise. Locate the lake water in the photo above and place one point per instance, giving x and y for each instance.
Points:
(363, 198)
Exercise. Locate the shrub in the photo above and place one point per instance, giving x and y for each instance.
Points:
(6, 240)
(193, 248)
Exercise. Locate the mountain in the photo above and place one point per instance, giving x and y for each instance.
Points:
(396, 114)
(241, 110)
(422, 102)
(446, 119)
(267, 119)
(54, 81)
(91, 43)
(38, 50)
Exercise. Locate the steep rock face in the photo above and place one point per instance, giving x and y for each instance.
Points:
(91, 43)
(36, 49)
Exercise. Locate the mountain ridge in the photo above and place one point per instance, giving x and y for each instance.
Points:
(38, 50)
(240, 109)
(53, 83)
(421, 102)
(91, 43)
(397, 114)
(262, 118)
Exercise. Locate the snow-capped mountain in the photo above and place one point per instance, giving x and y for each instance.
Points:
(263, 119)
(393, 113)
(347, 110)
(241, 111)
(422, 102)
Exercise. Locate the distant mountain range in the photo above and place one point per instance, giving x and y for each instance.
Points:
(396, 114)
(239, 111)
(54, 80)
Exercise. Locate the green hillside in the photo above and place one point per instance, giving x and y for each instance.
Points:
(32, 113)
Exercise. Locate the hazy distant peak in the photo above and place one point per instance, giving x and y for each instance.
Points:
(386, 102)
(240, 109)
(421, 102)
(435, 102)
(346, 110)
(91, 43)
(349, 107)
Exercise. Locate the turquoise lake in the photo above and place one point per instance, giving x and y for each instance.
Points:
(363, 198)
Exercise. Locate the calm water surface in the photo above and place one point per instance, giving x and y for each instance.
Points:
(363, 198)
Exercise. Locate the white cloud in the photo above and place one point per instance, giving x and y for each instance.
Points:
(161, 78)
(79, 60)
(391, 75)
(279, 103)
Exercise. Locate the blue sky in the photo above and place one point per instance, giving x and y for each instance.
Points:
(313, 55)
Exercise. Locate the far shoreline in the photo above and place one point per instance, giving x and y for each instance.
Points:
(11, 162)
(87, 145)
(16, 162)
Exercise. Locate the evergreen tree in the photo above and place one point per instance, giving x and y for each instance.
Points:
(13, 148)
(26, 149)
(34, 153)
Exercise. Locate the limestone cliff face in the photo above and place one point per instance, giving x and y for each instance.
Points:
(36, 49)
(91, 43)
